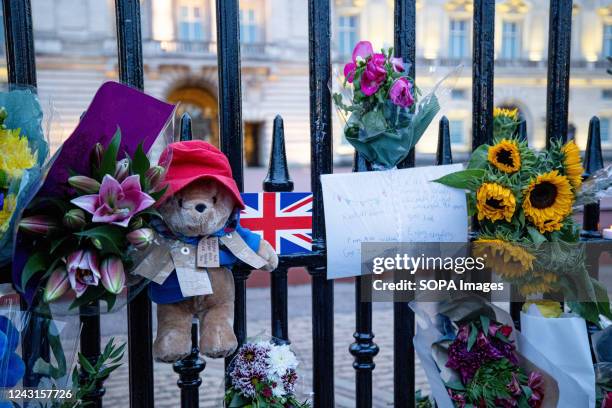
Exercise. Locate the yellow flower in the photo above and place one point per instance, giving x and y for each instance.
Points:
(548, 200)
(572, 165)
(16, 154)
(548, 308)
(495, 202)
(7, 211)
(505, 113)
(506, 259)
(505, 156)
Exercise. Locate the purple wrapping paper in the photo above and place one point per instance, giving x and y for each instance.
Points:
(141, 119)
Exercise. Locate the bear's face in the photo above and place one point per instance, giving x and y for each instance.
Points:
(199, 209)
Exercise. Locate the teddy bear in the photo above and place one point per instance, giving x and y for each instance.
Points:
(202, 202)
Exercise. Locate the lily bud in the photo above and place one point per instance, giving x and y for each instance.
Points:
(141, 238)
(39, 224)
(96, 155)
(57, 285)
(113, 275)
(85, 184)
(74, 219)
(122, 170)
(154, 176)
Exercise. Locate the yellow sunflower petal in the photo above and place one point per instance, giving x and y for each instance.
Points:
(572, 164)
(548, 200)
(495, 202)
(505, 156)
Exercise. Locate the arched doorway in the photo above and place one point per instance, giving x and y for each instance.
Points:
(202, 107)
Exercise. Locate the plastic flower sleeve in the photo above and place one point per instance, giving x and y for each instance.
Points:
(596, 187)
(24, 160)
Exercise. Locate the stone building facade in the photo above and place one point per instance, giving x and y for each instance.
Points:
(76, 52)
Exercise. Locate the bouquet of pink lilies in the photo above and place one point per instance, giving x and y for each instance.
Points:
(86, 242)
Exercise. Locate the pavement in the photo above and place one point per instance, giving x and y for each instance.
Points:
(167, 394)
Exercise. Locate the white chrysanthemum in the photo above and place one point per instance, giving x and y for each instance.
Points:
(281, 359)
(278, 388)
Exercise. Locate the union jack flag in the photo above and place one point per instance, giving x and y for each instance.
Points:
(282, 219)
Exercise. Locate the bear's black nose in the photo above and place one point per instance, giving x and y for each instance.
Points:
(200, 207)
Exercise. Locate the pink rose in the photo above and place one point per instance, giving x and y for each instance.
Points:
(362, 50)
(401, 93)
(398, 64)
(374, 74)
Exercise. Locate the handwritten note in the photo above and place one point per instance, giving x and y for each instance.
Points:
(388, 206)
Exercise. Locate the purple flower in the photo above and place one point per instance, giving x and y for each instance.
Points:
(83, 270)
(536, 383)
(398, 64)
(607, 400)
(374, 75)
(362, 51)
(401, 93)
(115, 203)
(113, 275)
(514, 387)
(289, 380)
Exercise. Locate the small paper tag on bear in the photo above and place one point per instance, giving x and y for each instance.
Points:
(193, 281)
(208, 253)
(157, 265)
(241, 250)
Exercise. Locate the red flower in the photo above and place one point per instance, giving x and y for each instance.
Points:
(267, 392)
(506, 330)
(607, 401)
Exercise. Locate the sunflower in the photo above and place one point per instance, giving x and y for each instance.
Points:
(505, 156)
(511, 114)
(548, 200)
(507, 259)
(572, 165)
(495, 202)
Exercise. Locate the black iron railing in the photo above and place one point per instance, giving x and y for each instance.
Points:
(22, 71)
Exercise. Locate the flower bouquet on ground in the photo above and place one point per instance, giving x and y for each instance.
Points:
(88, 225)
(263, 374)
(84, 244)
(523, 201)
(23, 155)
(469, 353)
(380, 108)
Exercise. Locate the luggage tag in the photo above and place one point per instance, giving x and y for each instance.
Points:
(157, 264)
(208, 253)
(193, 281)
(236, 245)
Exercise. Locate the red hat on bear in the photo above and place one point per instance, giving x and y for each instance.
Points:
(197, 160)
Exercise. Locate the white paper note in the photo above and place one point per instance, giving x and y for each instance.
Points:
(389, 206)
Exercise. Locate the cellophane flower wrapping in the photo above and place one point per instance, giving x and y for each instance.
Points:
(264, 372)
(24, 159)
(89, 226)
(464, 363)
(52, 346)
(383, 112)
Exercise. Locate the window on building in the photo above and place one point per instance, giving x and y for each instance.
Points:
(607, 40)
(606, 93)
(249, 26)
(604, 130)
(458, 94)
(457, 133)
(458, 39)
(347, 34)
(511, 40)
(190, 27)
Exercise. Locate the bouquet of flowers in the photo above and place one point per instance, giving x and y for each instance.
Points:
(379, 104)
(86, 242)
(523, 201)
(23, 153)
(468, 351)
(263, 374)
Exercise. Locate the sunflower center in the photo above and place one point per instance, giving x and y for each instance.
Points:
(495, 203)
(505, 157)
(543, 195)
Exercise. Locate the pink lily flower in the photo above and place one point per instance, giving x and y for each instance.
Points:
(113, 275)
(362, 50)
(83, 270)
(115, 203)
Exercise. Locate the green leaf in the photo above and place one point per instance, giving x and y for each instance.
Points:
(35, 264)
(465, 179)
(91, 294)
(238, 401)
(373, 123)
(109, 159)
(485, 321)
(479, 158)
(140, 165)
(159, 194)
(536, 236)
(472, 336)
(86, 364)
(110, 236)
